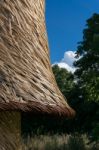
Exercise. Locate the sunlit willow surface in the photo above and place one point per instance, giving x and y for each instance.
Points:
(26, 79)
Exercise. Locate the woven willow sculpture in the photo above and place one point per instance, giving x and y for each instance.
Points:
(26, 79)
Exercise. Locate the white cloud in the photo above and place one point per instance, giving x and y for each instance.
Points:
(66, 66)
(69, 57)
(67, 61)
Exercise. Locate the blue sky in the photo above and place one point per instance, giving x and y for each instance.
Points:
(65, 21)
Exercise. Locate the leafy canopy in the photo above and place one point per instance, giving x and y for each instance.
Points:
(64, 80)
(88, 65)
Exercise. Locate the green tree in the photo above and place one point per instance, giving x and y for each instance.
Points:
(82, 88)
(64, 79)
(87, 73)
(86, 111)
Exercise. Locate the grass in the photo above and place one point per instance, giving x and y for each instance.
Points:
(47, 142)
(59, 142)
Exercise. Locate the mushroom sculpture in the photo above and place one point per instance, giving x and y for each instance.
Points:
(27, 83)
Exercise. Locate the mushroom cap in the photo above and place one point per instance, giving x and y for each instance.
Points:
(26, 79)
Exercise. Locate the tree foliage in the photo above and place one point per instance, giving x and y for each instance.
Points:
(64, 80)
(76, 98)
(88, 64)
(82, 88)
